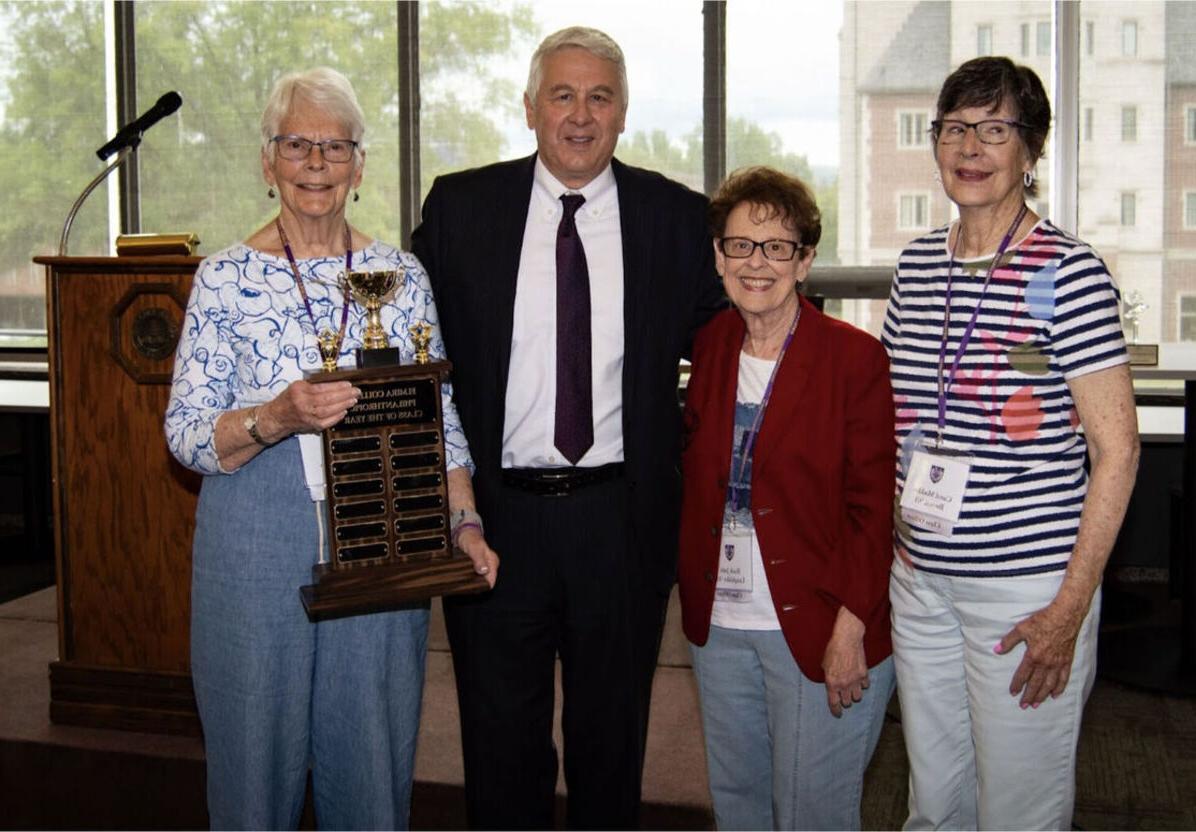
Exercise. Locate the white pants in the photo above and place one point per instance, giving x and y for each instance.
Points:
(977, 759)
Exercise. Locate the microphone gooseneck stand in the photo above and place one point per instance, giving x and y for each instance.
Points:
(70, 217)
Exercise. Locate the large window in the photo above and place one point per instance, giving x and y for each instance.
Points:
(1130, 197)
(846, 111)
(473, 72)
(201, 169)
(52, 119)
(784, 104)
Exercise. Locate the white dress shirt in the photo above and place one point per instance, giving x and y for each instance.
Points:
(530, 419)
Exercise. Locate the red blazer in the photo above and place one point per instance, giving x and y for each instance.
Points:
(822, 482)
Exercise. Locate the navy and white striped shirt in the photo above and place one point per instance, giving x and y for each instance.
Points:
(1050, 314)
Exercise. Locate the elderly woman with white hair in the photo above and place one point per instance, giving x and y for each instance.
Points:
(277, 693)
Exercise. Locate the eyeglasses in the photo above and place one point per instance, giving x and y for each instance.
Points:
(989, 131)
(297, 148)
(741, 248)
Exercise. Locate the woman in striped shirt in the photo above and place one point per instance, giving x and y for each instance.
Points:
(1008, 368)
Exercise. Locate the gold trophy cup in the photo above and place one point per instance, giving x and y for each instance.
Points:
(369, 288)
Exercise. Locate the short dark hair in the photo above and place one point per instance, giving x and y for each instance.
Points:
(779, 193)
(991, 81)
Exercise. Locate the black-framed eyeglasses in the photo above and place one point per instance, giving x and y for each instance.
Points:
(297, 148)
(741, 248)
(989, 131)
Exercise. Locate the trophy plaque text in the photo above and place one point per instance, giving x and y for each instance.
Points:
(389, 540)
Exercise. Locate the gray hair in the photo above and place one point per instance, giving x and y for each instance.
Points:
(597, 43)
(322, 88)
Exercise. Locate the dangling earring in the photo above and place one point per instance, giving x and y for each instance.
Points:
(1028, 179)
(270, 193)
(356, 196)
(938, 176)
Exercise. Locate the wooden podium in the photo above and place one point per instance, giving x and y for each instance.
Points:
(124, 510)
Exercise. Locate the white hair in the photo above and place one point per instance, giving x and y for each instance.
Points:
(323, 89)
(597, 43)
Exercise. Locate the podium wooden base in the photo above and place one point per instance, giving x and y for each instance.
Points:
(365, 589)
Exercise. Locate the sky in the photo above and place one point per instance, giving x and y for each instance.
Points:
(782, 66)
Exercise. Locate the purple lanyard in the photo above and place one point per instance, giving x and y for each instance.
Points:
(286, 247)
(967, 333)
(751, 437)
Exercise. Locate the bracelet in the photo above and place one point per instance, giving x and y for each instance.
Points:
(457, 531)
(463, 519)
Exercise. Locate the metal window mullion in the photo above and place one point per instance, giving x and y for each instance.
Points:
(1066, 168)
(408, 88)
(714, 94)
(126, 109)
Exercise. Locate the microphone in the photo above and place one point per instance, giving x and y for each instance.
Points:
(130, 134)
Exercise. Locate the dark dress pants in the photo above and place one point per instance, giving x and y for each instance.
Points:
(568, 587)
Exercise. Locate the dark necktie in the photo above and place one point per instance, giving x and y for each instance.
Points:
(574, 429)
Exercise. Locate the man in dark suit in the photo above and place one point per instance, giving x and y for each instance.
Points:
(568, 286)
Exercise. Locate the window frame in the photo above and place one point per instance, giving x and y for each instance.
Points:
(1043, 45)
(1130, 199)
(921, 136)
(1189, 126)
(1129, 25)
(981, 30)
(922, 197)
(1188, 217)
(1130, 134)
(1180, 297)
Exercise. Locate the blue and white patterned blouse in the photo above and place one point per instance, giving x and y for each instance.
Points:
(246, 336)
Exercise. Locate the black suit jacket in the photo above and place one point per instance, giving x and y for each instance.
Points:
(470, 242)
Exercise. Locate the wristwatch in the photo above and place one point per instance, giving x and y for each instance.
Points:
(250, 424)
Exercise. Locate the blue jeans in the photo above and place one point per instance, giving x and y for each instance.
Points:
(776, 756)
(278, 694)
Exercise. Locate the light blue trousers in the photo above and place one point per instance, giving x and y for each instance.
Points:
(278, 694)
(776, 756)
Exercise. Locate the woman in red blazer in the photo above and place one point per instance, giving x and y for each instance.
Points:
(786, 526)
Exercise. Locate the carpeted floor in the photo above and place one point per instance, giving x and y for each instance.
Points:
(1136, 765)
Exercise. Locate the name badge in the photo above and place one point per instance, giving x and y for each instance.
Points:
(735, 566)
(934, 490)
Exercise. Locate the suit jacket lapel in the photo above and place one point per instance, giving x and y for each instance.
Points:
(783, 415)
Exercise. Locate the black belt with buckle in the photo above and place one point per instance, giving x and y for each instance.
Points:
(559, 482)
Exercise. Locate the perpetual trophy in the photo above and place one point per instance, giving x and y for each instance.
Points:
(389, 540)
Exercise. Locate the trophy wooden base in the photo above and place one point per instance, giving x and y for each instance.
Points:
(1143, 355)
(389, 586)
